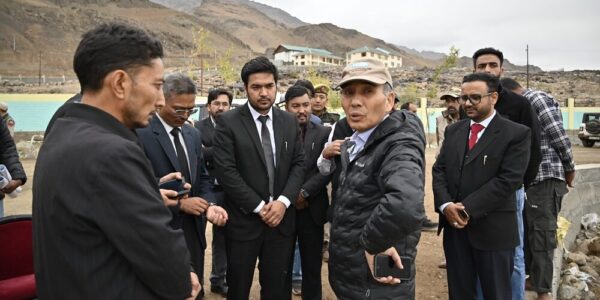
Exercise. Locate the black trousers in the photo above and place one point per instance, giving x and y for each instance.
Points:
(542, 206)
(219, 255)
(465, 263)
(274, 252)
(310, 241)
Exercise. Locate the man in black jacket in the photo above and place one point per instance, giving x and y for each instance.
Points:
(517, 109)
(312, 201)
(379, 200)
(219, 101)
(100, 228)
(10, 158)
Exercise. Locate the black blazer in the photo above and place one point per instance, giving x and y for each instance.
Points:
(160, 151)
(484, 179)
(314, 183)
(241, 170)
(207, 132)
(99, 224)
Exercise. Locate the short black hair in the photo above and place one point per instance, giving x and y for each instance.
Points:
(490, 80)
(405, 105)
(509, 84)
(488, 50)
(178, 84)
(295, 91)
(307, 85)
(110, 47)
(259, 64)
(216, 92)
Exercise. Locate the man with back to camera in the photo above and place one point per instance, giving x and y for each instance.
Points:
(312, 201)
(479, 168)
(259, 161)
(9, 157)
(517, 109)
(95, 196)
(545, 194)
(219, 100)
(379, 199)
(172, 145)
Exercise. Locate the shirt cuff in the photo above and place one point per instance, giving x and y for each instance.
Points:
(324, 165)
(285, 200)
(259, 207)
(444, 206)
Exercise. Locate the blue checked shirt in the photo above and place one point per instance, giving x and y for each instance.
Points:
(557, 156)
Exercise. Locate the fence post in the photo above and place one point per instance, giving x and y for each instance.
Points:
(571, 110)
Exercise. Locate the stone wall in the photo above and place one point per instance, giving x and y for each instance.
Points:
(584, 198)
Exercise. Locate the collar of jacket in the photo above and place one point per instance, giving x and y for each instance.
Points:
(96, 116)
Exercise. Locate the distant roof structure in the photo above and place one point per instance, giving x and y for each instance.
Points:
(318, 53)
(284, 48)
(378, 50)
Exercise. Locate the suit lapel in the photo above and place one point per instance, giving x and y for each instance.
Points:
(190, 145)
(165, 141)
(278, 131)
(461, 141)
(309, 139)
(488, 136)
(250, 127)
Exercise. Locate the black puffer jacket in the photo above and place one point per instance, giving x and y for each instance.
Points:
(379, 205)
(9, 156)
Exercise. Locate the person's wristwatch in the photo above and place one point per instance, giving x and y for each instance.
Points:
(304, 194)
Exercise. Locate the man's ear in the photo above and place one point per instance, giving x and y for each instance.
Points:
(494, 97)
(120, 83)
(389, 101)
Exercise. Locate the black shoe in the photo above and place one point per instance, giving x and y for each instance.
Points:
(429, 225)
(219, 289)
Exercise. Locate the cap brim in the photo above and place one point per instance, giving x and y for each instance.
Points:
(449, 95)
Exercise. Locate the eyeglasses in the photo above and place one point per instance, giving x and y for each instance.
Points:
(474, 98)
(190, 111)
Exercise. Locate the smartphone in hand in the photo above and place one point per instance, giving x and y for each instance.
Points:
(174, 185)
(384, 266)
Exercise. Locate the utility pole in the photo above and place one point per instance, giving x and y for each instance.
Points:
(14, 44)
(527, 50)
(40, 70)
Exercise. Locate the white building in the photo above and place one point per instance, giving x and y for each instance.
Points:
(284, 54)
(389, 58)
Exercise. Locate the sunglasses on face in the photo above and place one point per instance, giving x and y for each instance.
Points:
(182, 112)
(474, 98)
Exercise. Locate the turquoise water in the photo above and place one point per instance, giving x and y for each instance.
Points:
(32, 116)
(35, 115)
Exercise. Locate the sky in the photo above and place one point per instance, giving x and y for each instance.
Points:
(560, 34)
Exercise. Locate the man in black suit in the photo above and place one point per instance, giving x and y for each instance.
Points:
(259, 162)
(172, 145)
(100, 228)
(312, 201)
(517, 109)
(219, 101)
(479, 168)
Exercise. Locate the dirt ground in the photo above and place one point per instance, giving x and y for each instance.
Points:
(430, 280)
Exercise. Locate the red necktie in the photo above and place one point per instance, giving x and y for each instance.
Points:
(475, 130)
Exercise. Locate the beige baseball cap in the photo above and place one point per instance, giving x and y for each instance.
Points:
(368, 69)
(452, 95)
(3, 106)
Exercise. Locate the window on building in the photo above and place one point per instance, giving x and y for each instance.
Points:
(302, 63)
(302, 56)
(363, 54)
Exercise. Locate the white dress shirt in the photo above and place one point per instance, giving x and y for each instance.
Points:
(169, 128)
(269, 124)
(485, 124)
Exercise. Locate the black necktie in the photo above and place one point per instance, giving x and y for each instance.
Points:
(265, 137)
(183, 162)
